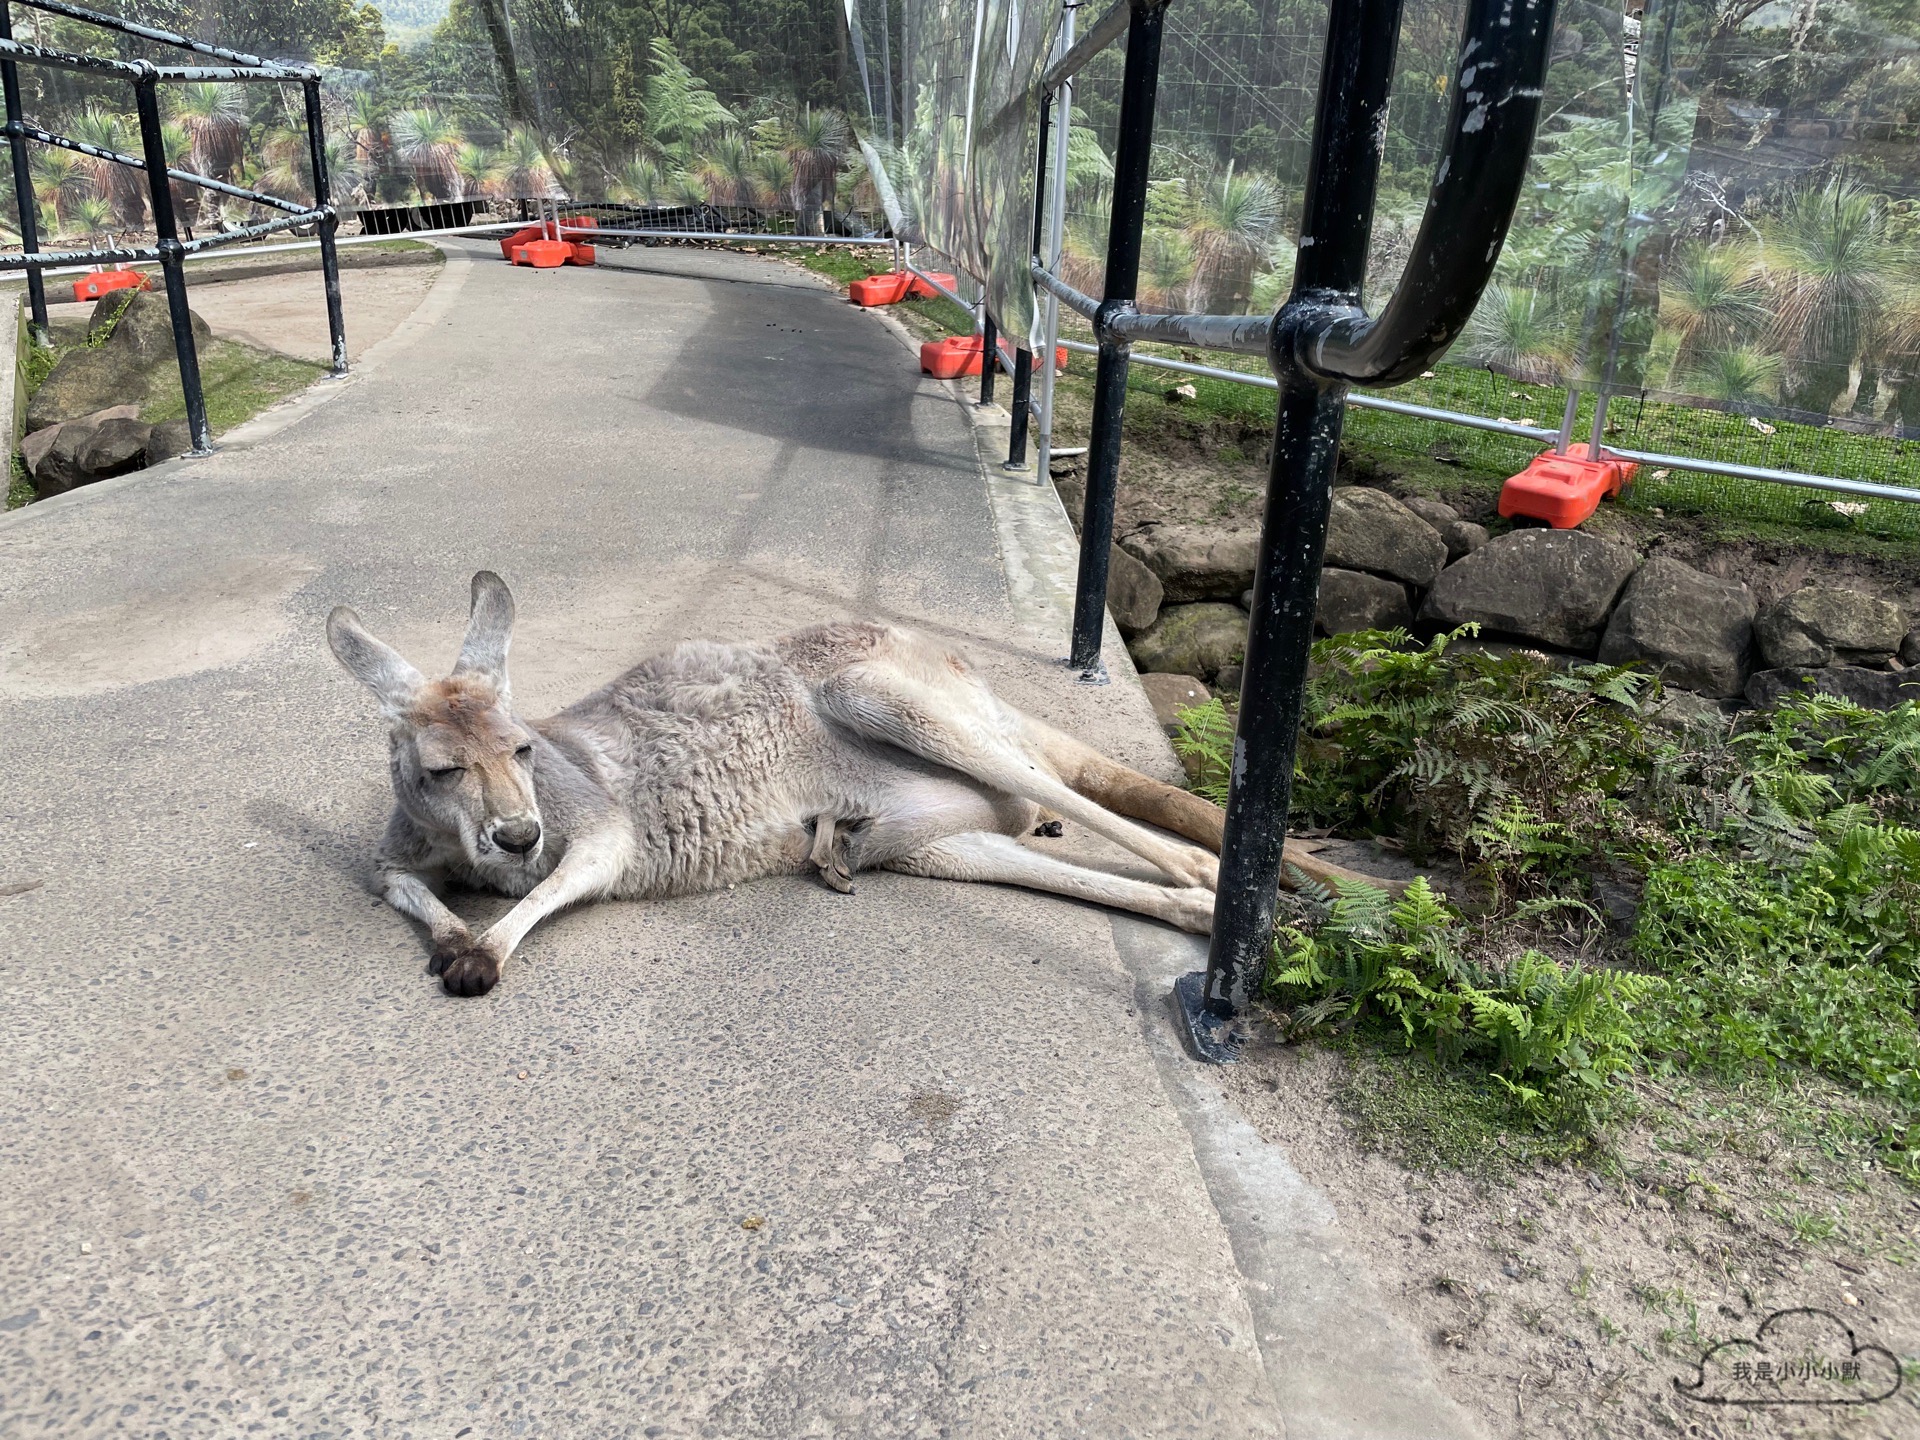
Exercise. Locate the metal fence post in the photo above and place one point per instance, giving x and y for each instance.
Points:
(160, 193)
(1050, 226)
(1131, 165)
(322, 198)
(989, 353)
(23, 182)
(1022, 407)
(1322, 341)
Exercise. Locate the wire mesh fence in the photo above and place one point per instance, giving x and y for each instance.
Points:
(1721, 232)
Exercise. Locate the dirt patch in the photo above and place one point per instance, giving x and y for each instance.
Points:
(1562, 1298)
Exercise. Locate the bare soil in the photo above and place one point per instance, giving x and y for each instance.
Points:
(1565, 1299)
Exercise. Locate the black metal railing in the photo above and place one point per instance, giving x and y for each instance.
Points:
(169, 250)
(1319, 344)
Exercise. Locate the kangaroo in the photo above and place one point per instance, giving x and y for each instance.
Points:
(840, 748)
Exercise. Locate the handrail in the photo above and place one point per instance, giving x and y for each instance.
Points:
(134, 162)
(1102, 33)
(1073, 299)
(169, 37)
(1322, 328)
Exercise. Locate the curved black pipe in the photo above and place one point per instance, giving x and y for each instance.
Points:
(1322, 329)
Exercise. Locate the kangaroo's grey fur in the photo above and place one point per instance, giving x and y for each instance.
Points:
(844, 747)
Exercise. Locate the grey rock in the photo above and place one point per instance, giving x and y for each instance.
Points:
(1227, 682)
(115, 447)
(1246, 600)
(1170, 694)
(88, 380)
(1133, 592)
(168, 439)
(1553, 586)
(1370, 530)
(144, 327)
(1352, 600)
(1910, 647)
(1822, 624)
(1195, 563)
(34, 446)
(119, 370)
(1463, 537)
(1682, 710)
(1196, 639)
(1073, 498)
(1872, 689)
(1436, 513)
(62, 467)
(1505, 649)
(1695, 630)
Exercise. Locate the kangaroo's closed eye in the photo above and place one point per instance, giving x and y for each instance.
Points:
(447, 772)
(525, 752)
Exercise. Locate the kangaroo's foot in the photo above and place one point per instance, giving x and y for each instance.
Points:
(468, 969)
(831, 854)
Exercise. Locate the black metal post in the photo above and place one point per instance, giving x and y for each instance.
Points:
(1132, 157)
(989, 355)
(23, 184)
(159, 191)
(1022, 408)
(1323, 342)
(322, 198)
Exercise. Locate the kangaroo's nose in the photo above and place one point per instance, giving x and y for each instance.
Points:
(519, 836)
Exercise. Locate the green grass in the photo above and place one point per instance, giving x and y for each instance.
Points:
(239, 382)
(19, 487)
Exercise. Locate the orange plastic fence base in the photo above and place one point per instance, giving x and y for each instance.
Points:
(921, 290)
(1564, 490)
(955, 355)
(888, 289)
(574, 230)
(543, 254)
(96, 283)
(963, 355)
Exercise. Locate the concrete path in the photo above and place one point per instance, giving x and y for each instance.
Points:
(770, 1162)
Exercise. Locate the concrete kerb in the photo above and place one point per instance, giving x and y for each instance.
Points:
(1339, 1367)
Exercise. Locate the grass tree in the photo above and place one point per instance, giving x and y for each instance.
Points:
(59, 179)
(367, 131)
(90, 220)
(1517, 333)
(772, 179)
(1711, 301)
(817, 140)
(1829, 273)
(429, 143)
(725, 169)
(215, 118)
(638, 182)
(1229, 233)
(478, 168)
(121, 186)
(524, 170)
(1737, 377)
(1166, 265)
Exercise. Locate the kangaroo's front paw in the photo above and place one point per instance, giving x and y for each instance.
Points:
(471, 971)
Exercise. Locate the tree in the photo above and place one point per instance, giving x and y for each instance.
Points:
(215, 119)
(429, 143)
(681, 111)
(1229, 233)
(1828, 276)
(726, 170)
(1711, 300)
(121, 186)
(817, 141)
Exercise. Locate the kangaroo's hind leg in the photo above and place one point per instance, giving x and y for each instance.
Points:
(929, 705)
(999, 859)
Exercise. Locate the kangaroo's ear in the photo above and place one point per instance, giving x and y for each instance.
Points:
(489, 633)
(374, 663)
